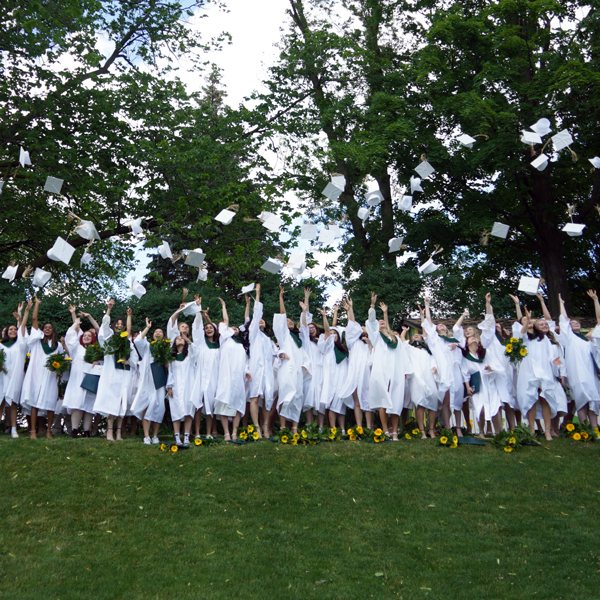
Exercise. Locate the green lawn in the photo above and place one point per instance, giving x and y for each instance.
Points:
(91, 519)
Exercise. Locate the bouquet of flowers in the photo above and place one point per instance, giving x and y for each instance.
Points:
(410, 431)
(330, 434)
(58, 363)
(579, 432)
(248, 434)
(447, 439)
(161, 351)
(206, 441)
(93, 353)
(358, 434)
(309, 434)
(285, 436)
(169, 448)
(514, 439)
(515, 350)
(118, 345)
(2, 361)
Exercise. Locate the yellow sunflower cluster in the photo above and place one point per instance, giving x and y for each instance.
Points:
(285, 439)
(508, 348)
(56, 365)
(123, 334)
(198, 442)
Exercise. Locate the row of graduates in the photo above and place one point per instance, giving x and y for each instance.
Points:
(227, 372)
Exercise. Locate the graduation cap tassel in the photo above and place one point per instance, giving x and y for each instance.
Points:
(483, 135)
(233, 207)
(573, 155)
(598, 208)
(485, 238)
(185, 295)
(437, 250)
(27, 271)
(249, 220)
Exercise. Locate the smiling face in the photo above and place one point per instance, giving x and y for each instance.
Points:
(87, 338)
(382, 325)
(262, 324)
(236, 330)
(158, 334)
(313, 331)
(473, 343)
(184, 329)
(12, 332)
(209, 330)
(119, 325)
(542, 325)
(48, 330)
(179, 342)
(417, 337)
(470, 332)
(290, 323)
(575, 326)
(336, 335)
(442, 329)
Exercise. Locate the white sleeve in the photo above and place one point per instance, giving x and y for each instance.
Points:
(72, 339)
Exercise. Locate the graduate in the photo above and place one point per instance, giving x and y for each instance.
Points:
(40, 386)
(582, 367)
(14, 346)
(313, 378)
(262, 352)
(385, 346)
(179, 387)
(149, 402)
(480, 371)
(234, 371)
(115, 381)
(292, 358)
(359, 367)
(538, 371)
(448, 358)
(78, 400)
(204, 391)
(335, 374)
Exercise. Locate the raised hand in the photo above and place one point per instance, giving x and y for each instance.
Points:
(281, 290)
(148, 323)
(110, 303)
(303, 306)
(383, 307)
(427, 300)
(257, 288)
(515, 299)
(488, 297)
(247, 298)
(83, 315)
(307, 292)
(20, 307)
(72, 308)
(222, 301)
(37, 300)
(129, 311)
(592, 294)
(527, 313)
(373, 299)
(29, 304)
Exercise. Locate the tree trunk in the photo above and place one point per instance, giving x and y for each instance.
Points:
(554, 269)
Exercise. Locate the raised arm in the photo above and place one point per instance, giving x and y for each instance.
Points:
(461, 318)
(281, 302)
(526, 323)
(109, 306)
(257, 290)
(304, 307)
(325, 323)
(225, 315)
(545, 310)
(563, 310)
(146, 329)
(347, 306)
(517, 302)
(384, 310)
(90, 319)
(307, 293)
(26, 317)
(405, 331)
(174, 315)
(488, 304)
(594, 296)
(34, 317)
(129, 319)
(336, 308)
(247, 310)
(427, 310)
(73, 312)
(18, 315)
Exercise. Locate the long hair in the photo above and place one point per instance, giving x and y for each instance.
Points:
(53, 337)
(244, 337)
(480, 350)
(5, 337)
(537, 334)
(268, 330)
(339, 343)
(185, 350)
(315, 339)
(217, 335)
(114, 323)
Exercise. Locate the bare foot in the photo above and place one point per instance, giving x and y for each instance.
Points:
(548, 435)
(119, 438)
(432, 434)
(554, 433)
(109, 435)
(423, 436)
(459, 432)
(227, 437)
(257, 429)
(32, 435)
(48, 434)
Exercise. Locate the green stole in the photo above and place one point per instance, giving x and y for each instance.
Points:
(421, 345)
(9, 343)
(470, 357)
(339, 355)
(393, 345)
(48, 349)
(296, 338)
(449, 339)
(211, 345)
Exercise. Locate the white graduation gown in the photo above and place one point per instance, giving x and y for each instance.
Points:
(114, 385)
(359, 366)
(180, 380)
(290, 379)
(334, 376)
(488, 399)
(206, 377)
(40, 386)
(76, 397)
(11, 382)
(384, 366)
(262, 351)
(422, 382)
(147, 397)
(313, 382)
(233, 367)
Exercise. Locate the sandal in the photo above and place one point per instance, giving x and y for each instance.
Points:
(432, 436)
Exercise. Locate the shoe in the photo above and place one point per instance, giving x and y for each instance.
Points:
(147, 441)
(209, 437)
(197, 437)
(14, 435)
(74, 433)
(155, 440)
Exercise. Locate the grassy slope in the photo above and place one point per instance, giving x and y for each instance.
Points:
(86, 518)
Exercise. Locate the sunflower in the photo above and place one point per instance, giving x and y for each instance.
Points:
(198, 442)
(584, 435)
(523, 351)
(570, 427)
(123, 334)
(576, 436)
(378, 432)
(454, 439)
(359, 430)
(304, 434)
(250, 428)
(353, 438)
(174, 448)
(294, 442)
(255, 435)
(56, 364)
(153, 342)
(166, 340)
(443, 440)
(508, 448)
(332, 436)
(377, 439)
(163, 447)
(243, 435)
(67, 358)
(312, 442)
(512, 440)
(513, 340)
(284, 439)
(350, 432)
(334, 430)
(454, 445)
(121, 360)
(415, 432)
(296, 436)
(407, 436)
(509, 348)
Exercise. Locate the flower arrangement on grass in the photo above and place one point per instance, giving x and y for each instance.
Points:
(357, 433)
(169, 448)
(93, 353)
(118, 346)
(515, 350)
(331, 434)
(447, 439)
(309, 434)
(248, 434)
(581, 433)
(514, 439)
(58, 363)
(2, 361)
(410, 431)
(206, 442)
(161, 351)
